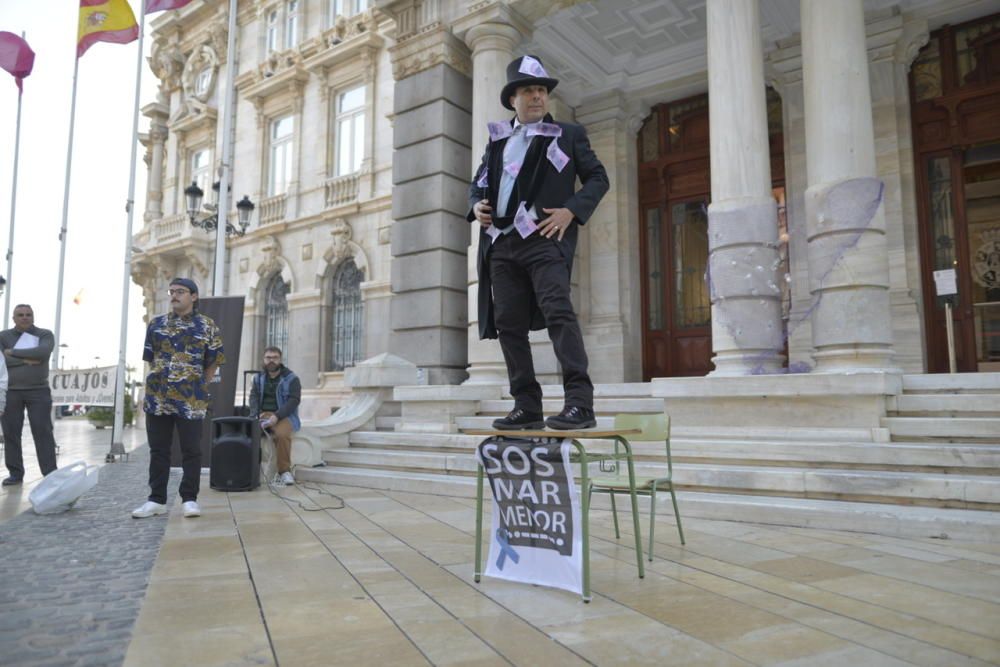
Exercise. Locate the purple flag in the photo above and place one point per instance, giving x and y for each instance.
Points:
(16, 57)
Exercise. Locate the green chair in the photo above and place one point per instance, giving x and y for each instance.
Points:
(654, 427)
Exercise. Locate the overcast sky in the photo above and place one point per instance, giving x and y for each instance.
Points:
(95, 250)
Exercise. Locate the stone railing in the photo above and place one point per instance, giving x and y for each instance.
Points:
(272, 209)
(342, 190)
(171, 226)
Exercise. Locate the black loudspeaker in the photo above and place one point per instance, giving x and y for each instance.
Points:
(235, 454)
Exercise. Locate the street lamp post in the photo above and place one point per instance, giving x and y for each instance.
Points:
(62, 355)
(210, 223)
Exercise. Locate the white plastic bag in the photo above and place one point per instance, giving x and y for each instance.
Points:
(61, 488)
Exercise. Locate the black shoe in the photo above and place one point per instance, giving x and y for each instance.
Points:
(571, 418)
(11, 481)
(520, 420)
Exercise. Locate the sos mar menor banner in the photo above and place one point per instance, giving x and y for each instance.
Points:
(535, 537)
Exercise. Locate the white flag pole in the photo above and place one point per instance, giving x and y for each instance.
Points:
(218, 279)
(65, 214)
(13, 207)
(117, 444)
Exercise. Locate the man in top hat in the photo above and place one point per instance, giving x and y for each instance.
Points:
(183, 349)
(529, 211)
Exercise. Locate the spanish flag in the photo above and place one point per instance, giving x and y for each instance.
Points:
(105, 21)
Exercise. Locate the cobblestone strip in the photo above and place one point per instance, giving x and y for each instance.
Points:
(71, 584)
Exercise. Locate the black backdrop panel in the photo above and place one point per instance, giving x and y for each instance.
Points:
(227, 311)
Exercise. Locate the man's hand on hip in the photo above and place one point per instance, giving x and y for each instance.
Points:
(558, 221)
(483, 212)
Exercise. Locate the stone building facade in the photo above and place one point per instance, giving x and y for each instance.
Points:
(779, 228)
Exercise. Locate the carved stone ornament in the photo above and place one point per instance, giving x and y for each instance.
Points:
(341, 233)
(271, 249)
(203, 63)
(279, 62)
(167, 63)
(345, 27)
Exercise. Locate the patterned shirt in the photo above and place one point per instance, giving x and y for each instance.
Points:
(179, 349)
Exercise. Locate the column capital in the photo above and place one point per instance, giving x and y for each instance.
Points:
(495, 17)
(428, 50)
(492, 36)
(913, 37)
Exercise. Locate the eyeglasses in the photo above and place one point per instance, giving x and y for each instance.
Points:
(178, 291)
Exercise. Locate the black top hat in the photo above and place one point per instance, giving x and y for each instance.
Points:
(521, 74)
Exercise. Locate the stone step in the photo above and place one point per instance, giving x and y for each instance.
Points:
(778, 433)
(958, 428)
(606, 406)
(885, 519)
(978, 404)
(856, 485)
(971, 459)
(952, 383)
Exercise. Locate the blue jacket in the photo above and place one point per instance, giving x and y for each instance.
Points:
(289, 396)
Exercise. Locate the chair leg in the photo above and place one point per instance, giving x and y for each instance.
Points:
(652, 519)
(677, 513)
(614, 514)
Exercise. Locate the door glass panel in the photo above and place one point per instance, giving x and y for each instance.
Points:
(692, 305)
(981, 176)
(942, 215)
(654, 266)
(974, 46)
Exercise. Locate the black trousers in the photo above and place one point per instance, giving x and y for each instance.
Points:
(160, 433)
(39, 405)
(519, 268)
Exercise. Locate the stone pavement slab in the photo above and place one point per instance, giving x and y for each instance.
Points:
(260, 579)
(71, 584)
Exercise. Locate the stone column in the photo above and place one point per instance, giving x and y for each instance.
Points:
(432, 101)
(743, 228)
(492, 47)
(848, 258)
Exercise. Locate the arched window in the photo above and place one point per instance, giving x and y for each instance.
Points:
(347, 317)
(276, 314)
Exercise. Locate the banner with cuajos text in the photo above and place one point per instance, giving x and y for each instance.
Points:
(86, 386)
(535, 537)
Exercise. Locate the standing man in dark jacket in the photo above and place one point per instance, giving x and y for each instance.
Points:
(525, 199)
(274, 400)
(26, 351)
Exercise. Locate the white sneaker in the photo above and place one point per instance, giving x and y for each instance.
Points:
(191, 509)
(276, 480)
(148, 509)
(287, 479)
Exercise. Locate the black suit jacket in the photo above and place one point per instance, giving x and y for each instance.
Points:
(542, 185)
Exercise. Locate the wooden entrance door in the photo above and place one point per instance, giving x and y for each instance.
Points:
(674, 189)
(955, 97)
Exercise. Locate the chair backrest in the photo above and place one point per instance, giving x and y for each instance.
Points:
(654, 426)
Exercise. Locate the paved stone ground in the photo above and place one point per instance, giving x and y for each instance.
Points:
(71, 584)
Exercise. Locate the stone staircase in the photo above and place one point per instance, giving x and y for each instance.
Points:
(931, 469)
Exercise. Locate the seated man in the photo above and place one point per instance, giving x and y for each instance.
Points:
(274, 400)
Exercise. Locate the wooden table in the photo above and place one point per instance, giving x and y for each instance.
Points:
(616, 435)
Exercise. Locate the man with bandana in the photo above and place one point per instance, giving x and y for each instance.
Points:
(525, 200)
